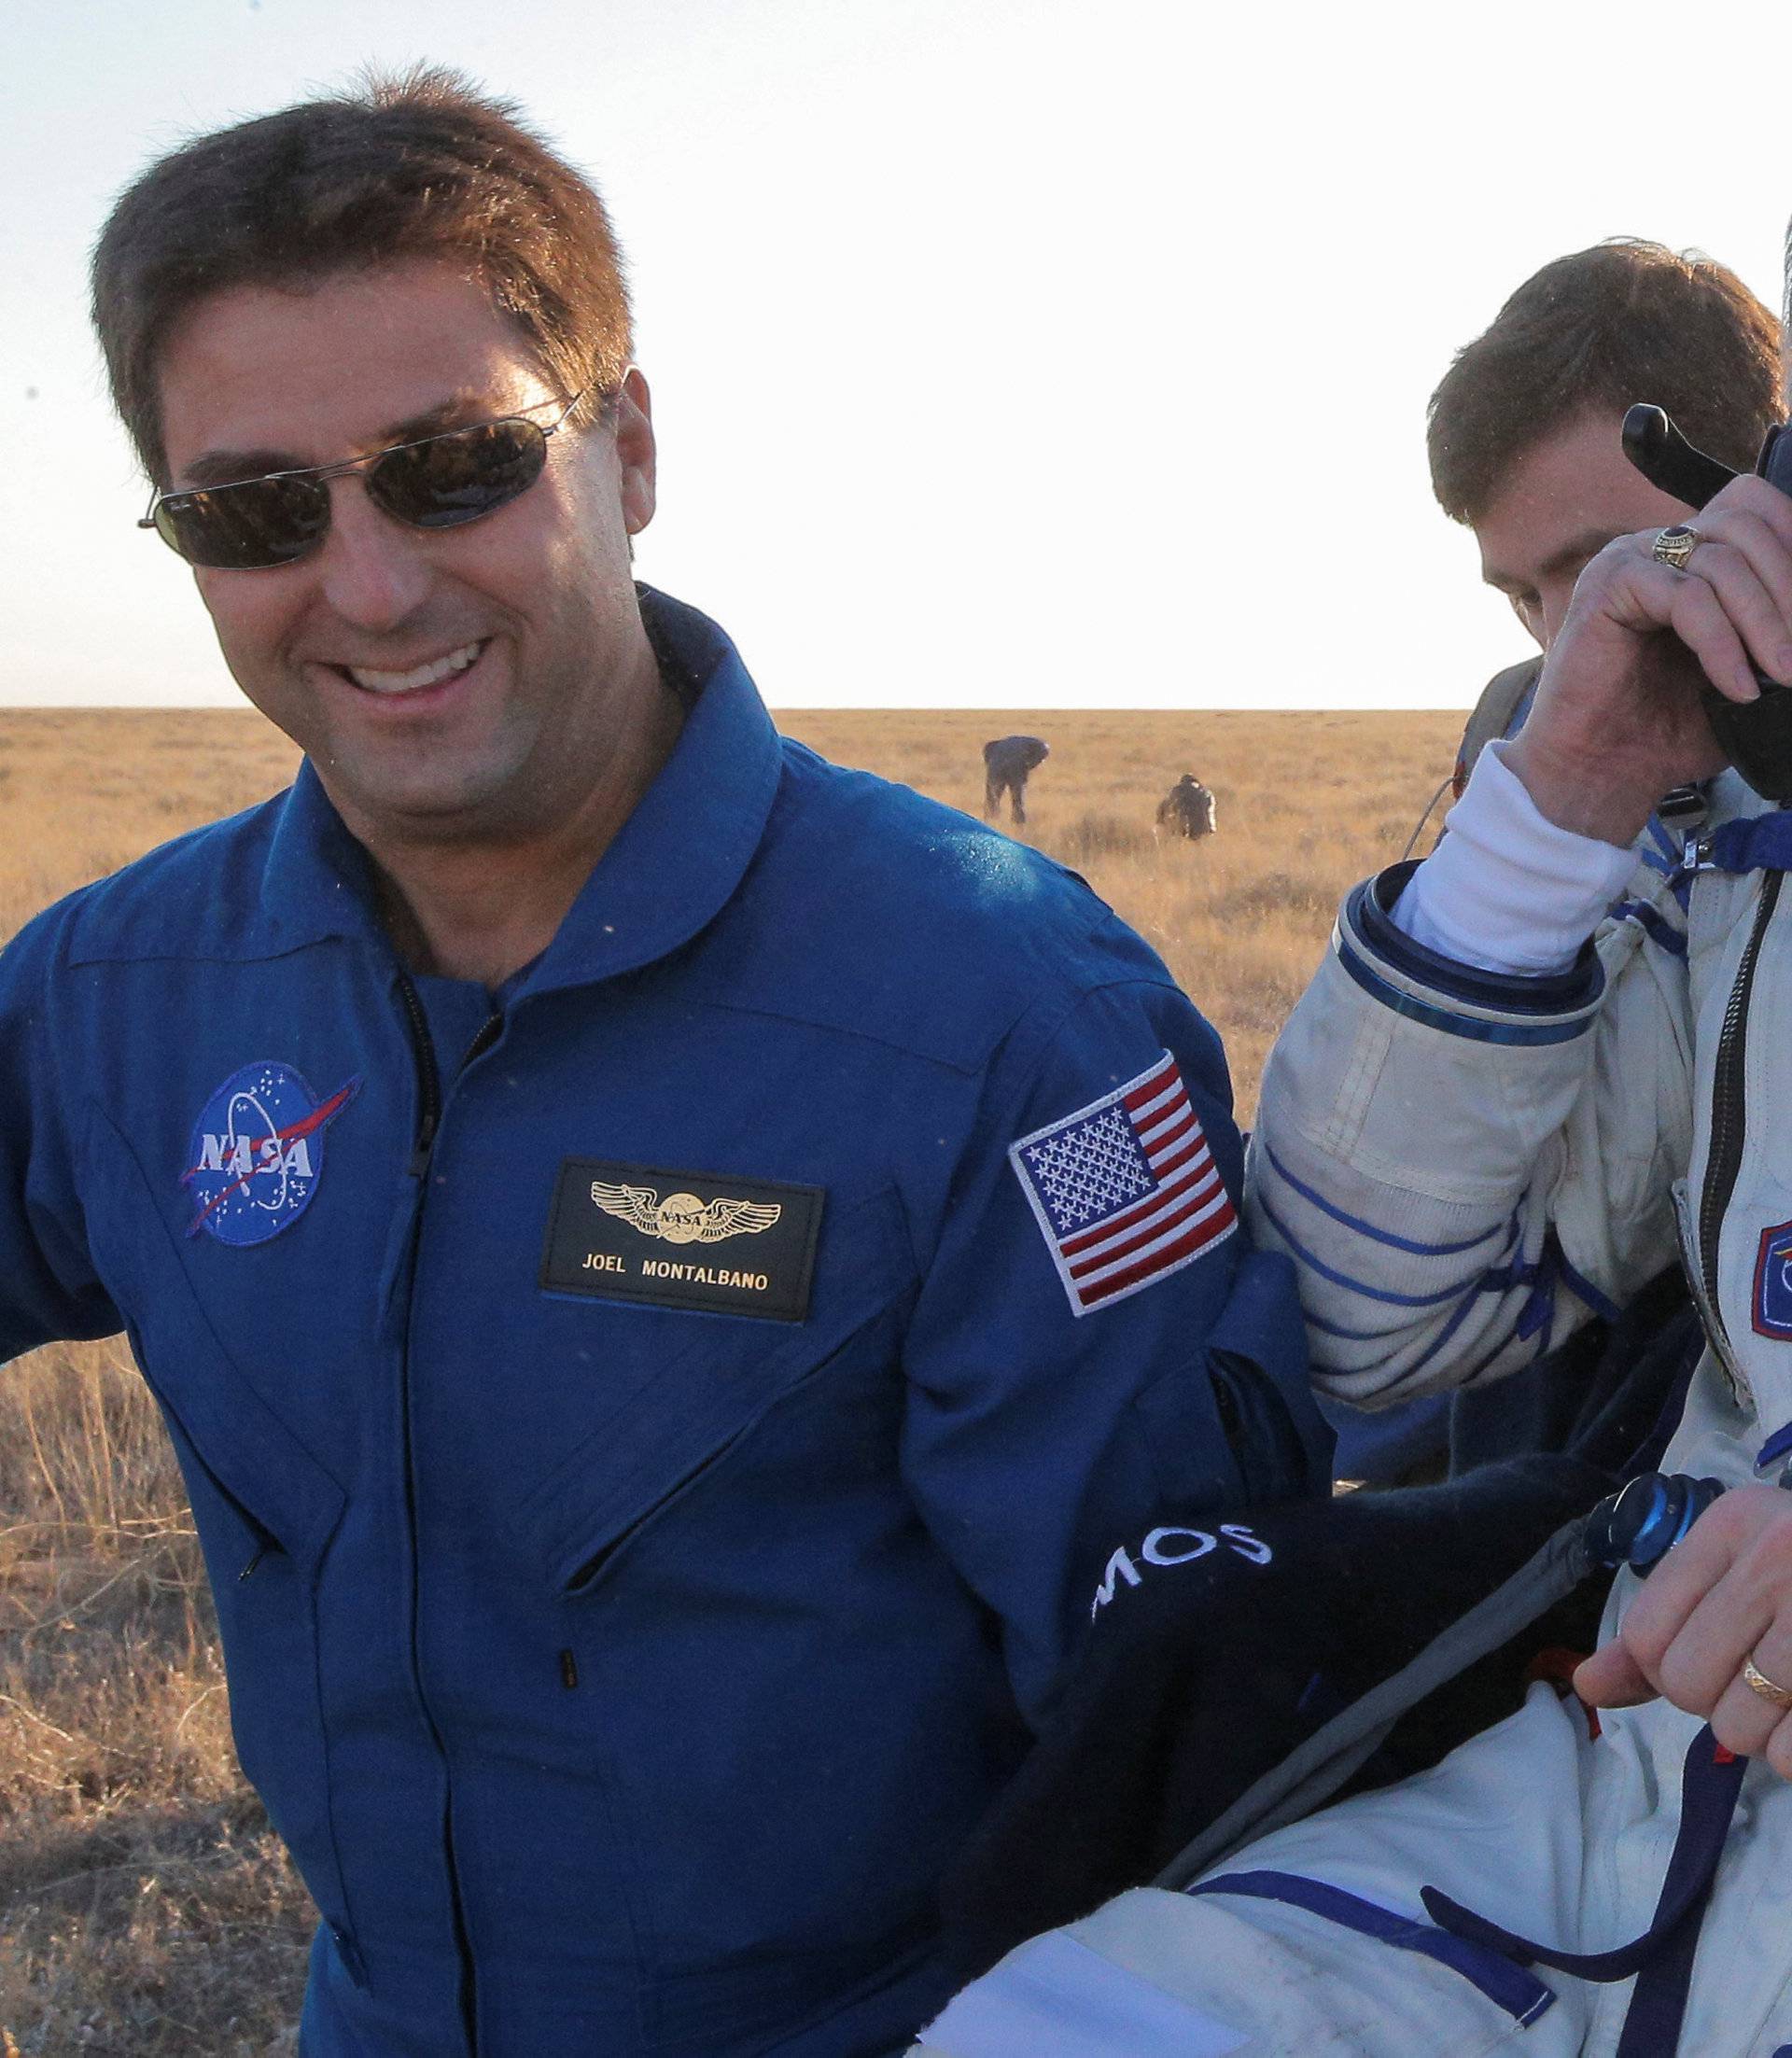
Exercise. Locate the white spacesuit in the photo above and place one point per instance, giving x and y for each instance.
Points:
(1464, 1162)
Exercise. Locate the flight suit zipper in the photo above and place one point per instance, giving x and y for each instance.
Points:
(1729, 1105)
(429, 1103)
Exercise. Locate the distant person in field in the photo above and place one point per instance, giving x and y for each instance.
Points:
(667, 1264)
(1524, 446)
(1008, 762)
(1187, 809)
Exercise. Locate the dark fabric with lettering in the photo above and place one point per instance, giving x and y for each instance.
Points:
(1206, 1674)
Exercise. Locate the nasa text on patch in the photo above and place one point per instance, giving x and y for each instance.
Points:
(723, 1245)
(1772, 1304)
(1125, 1190)
(257, 1152)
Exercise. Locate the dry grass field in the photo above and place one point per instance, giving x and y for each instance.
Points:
(145, 1909)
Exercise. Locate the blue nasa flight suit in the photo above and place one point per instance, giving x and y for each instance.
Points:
(622, 1653)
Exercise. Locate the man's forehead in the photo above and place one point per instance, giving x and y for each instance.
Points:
(1563, 499)
(353, 362)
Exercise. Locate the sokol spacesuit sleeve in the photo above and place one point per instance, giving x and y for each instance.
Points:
(1508, 890)
(47, 1289)
(1095, 1337)
(1464, 1165)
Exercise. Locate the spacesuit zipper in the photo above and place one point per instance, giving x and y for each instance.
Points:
(1728, 1115)
(428, 1121)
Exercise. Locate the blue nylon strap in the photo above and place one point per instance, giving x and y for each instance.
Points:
(1653, 2021)
(1708, 1790)
(1776, 1446)
(1521, 1993)
(1645, 917)
(1762, 843)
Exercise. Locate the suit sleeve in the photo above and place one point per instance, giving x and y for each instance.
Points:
(1465, 1165)
(49, 1292)
(1095, 1341)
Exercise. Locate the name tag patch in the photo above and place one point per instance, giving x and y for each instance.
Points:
(726, 1246)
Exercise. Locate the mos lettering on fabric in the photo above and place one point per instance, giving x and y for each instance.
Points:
(1125, 1191)
(722, 1245)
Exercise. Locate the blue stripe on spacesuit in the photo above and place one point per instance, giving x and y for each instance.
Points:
(1521, 1993)
(1776, 1446)
(1650, 922)
(1469, 1298)
(1583, 1289)
(1473, 1028)
(1344, 1280)
(1368, 1228)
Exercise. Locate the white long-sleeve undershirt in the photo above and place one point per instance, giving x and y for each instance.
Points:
(1508, 890)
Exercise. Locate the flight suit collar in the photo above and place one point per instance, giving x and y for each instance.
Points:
(672, 867)
(678, 860)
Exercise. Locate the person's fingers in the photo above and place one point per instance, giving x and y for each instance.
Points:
(1748, 605)
(1703, 1657)
(1765, 544)
(1746, 1718)
(1693, 610)
(1611, 1678)
(1631, 1666)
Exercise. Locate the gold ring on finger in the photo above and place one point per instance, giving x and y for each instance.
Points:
(1673, 546)
(1768, 1689)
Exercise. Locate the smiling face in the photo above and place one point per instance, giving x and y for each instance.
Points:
(462, 684)
(1561, 503)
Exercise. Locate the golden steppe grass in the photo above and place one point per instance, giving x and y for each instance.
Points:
(145, 1910)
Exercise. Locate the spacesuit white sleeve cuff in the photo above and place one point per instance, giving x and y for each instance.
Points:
(1508, 890)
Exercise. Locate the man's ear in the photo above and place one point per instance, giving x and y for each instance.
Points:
(634, 452)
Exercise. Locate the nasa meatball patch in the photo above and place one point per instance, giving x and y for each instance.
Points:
(258, 1153)
(723, 1245)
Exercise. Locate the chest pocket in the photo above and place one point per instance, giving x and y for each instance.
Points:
(715, 1380)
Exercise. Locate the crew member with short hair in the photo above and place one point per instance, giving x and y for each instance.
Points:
(1525, 450)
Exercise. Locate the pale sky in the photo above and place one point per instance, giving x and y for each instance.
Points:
(1004, 352)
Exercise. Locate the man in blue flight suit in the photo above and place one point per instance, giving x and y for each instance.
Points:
(668, 1265)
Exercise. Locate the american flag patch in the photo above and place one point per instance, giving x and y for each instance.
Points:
(1125, 1190)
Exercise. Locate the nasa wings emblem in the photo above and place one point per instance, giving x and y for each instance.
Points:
(258, 1153)
(683, 1218)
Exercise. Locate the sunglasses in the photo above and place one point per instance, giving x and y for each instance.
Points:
(436, 482)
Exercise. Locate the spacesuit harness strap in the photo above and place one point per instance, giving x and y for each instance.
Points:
(1709, 1786)
(1753, 843)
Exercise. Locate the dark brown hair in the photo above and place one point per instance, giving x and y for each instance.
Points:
(1624, 321)
(417, 166)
